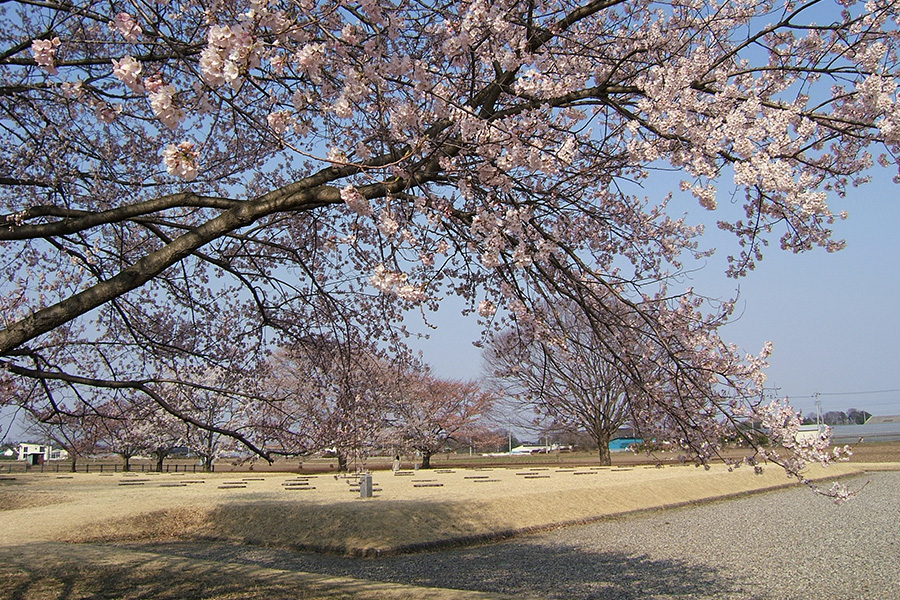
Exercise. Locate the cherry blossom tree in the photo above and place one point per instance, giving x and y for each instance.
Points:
(571, 383)
(331, 396)
(129, 426)
(215, 408)
(186, 184)
(429, 413)
(161, 432)
(122, 432)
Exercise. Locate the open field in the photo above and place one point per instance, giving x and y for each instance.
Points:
(867, 452)
(42, 514)
(410, 510)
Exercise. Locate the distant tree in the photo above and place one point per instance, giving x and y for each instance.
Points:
(163, 433)
(428, 413)
(122, 427)
(570, 378)
(484, 441)
(129, 428)
(835, 417)
(121, 434)
(331, 395)
(505, 440)
(857, 417)
(214, 407)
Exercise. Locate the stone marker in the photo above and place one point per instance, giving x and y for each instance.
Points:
(365, 485)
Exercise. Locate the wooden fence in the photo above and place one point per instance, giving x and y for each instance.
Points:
(94, 467)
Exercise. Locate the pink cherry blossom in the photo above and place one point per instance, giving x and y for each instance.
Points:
(128, 71)
(107, 113)
(230, 52)
(165, 106)
(356, 201)
(126, 26)
(181, 160)
(44, 53)
(280, 121)
(486, 308)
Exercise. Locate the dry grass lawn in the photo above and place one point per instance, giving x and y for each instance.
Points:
(41, 513)
(410, 511)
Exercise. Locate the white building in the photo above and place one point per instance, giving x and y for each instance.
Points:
(809, 432)
(36, 454)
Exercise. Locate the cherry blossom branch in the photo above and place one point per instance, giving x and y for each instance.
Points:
(143, 387)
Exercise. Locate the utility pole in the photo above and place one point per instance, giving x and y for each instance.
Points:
(819, 423)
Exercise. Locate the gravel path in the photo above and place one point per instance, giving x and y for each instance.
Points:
(789, 544)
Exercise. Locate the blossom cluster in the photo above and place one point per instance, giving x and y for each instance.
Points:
(229, 53)
(395, 282)
(128, 71)
(181, 160)
(44, 53)
(280, 121)
(356, 201)
(163, 102)
(126, 26)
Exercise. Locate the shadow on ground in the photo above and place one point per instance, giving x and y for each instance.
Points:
(359, 529)
(232, 572)
(53, 571)
(512, 568)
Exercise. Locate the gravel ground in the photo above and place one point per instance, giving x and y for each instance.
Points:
(789, 544)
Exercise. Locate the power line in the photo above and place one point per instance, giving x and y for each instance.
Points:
(861, 393)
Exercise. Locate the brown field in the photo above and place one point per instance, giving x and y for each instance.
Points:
(867, 452)
(58, 532)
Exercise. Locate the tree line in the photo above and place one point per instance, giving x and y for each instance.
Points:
(852, 416)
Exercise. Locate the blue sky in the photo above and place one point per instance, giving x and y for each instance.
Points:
(833, 318)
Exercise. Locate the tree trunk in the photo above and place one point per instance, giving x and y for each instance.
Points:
(602, 439)
(426, 460)
(127, 466)
(207, 463)
(342, 462)
(74, 460)
(160, 457)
